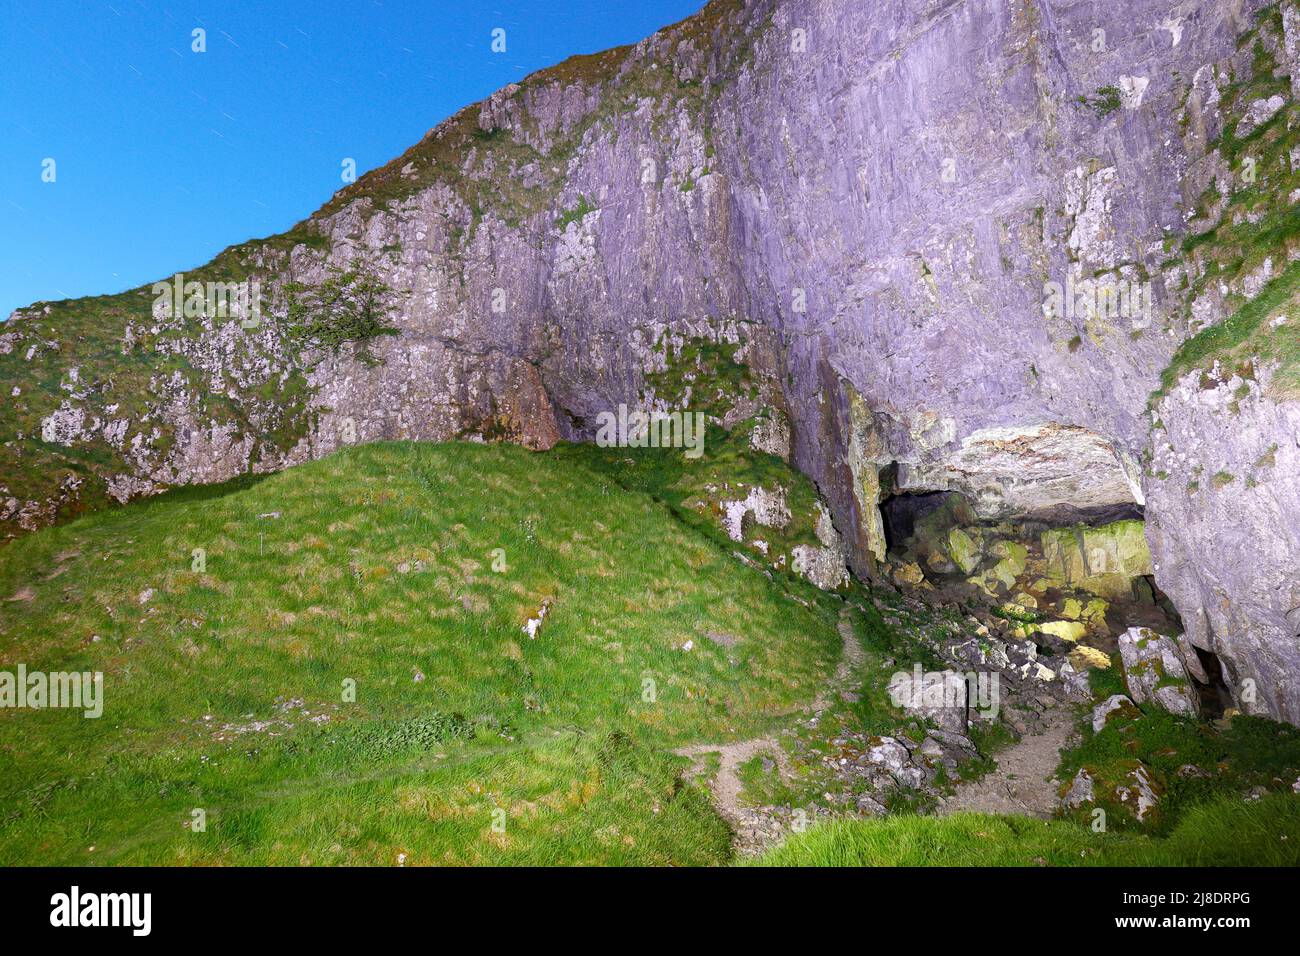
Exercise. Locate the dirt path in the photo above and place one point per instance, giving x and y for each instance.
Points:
(750, 827)
(850, 659)
(1023, 782)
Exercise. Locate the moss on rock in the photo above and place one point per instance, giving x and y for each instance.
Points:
(1101, 560)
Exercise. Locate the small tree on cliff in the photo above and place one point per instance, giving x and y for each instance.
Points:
(351, 305)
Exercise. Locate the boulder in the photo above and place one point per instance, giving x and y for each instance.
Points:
(826, 566)
(891, 755)
(909, 573)
(940, 697)
(1125, 789)
(1112, 704)
(963, 550)
(1012, 558)
(1086, 658)
(1079, 792)
(1071, 631)
(1074, 678)
(1140, 792)
(1155, 673)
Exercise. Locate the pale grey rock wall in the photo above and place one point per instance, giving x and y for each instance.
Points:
(925, 291)
(1224, 525)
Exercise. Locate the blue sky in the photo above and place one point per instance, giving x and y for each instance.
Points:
(164, 156)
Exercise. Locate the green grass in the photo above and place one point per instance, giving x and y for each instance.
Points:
(1104, 102)
(1247, 333)
(349, 306)
(575, 214)
(868, 711)
(1108, 682)
(1233, 757)
(1227, 832)
(379, 569)
(762, 784)
(695, 491)
(408, 570)
(702, 375)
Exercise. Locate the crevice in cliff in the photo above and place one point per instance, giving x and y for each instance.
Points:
(1163, 601)
(1095, 517)
(1214, 693)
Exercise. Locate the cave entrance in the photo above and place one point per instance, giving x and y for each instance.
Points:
(901, 512)
(1214, 694)
(1148, 606)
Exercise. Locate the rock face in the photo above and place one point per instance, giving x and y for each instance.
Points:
(1101, 560)
(944, 236)
(1225, 530)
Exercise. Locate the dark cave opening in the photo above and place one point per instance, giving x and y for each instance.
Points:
(1063, 515)
(900, 513)
(1214, 694)
(1147, 607)
(1161, 600)
(916, 529)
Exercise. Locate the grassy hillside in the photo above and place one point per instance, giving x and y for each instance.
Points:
(1226, 832)
(332, 664)
(225, 688)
